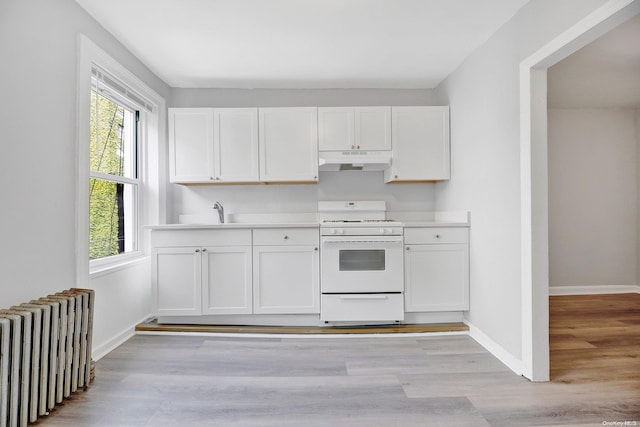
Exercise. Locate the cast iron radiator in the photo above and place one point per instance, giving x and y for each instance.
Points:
(45, 354)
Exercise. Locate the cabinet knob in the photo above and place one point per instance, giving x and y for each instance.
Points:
(211, 178)
(315, 177)
(353, 146)
(217, 178)
(315, 249)
(197, 250)
(437, 236)
(358, 147)
(396, 176)
(286, 237)
(204, 250)
(408, 248)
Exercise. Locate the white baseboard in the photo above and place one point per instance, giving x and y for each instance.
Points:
(593, 289)
(102, 350)
(494, 348)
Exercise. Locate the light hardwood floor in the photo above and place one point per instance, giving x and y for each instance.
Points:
(595, 338)
(361, 381)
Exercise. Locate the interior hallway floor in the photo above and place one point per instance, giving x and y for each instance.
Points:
(172, 380)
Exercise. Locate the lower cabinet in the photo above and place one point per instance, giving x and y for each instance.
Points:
(436, 269)
(176, 275)
(226, 280)
(196, 272)
(286, 276)
(217, 272)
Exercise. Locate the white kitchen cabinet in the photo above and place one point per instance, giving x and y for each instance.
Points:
(420, 145)
(177, 281)
(235, 145)
(288, 144)
(226, 280)
(197, 272)
(286, 276)
(191, 145)
(213, 145)
(436, 269)
(354, 128)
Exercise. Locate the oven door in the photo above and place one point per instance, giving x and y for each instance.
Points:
(359, 264)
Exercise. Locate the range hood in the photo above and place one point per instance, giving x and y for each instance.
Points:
(354, 160)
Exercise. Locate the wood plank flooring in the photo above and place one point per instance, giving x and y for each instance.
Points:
(595, 338)
(395, 380)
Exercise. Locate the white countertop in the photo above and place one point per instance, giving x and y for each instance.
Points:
(309, 220)
(432, 219)
(234, 225)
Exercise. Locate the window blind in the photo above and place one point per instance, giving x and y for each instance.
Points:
(111, 87)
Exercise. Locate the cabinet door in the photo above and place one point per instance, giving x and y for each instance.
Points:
(420, 144)
(436, 277)
(176, 281)
(288, 144)
(372, 128)
(336, 129)
(226, 280)
(191, 145)
(286, 280)
(236, 144)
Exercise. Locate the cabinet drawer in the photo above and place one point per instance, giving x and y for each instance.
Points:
(362, 307)
(218, 237)
(430, 235)
(285, 236)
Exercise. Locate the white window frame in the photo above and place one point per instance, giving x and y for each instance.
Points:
(151, 138)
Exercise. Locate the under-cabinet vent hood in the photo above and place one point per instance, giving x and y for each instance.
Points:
(354, 160)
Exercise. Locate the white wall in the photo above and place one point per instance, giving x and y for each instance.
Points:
(298, 97)
(638, 197)
(38, 47)
(299, 198)
(122, 301)
(593, 197)
(483, 94)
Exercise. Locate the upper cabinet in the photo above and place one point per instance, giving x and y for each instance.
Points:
(191, 145)
(288, 144)
(213, 145)
(280, 145)
(235, 144)
(354, 128)
(420, 145)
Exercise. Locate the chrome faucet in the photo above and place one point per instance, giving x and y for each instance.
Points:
(218, 206)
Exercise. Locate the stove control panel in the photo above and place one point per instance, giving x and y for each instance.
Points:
(362, 231)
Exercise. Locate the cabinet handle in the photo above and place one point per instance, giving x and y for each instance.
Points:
(197, 250)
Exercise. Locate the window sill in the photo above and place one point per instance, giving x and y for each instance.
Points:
(120, 262)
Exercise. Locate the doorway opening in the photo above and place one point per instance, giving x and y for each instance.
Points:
(535, 176)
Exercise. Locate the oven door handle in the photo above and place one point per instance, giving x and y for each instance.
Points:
(370, 296)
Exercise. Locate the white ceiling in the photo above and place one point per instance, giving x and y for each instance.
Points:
(302, 43)
(603, 74)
